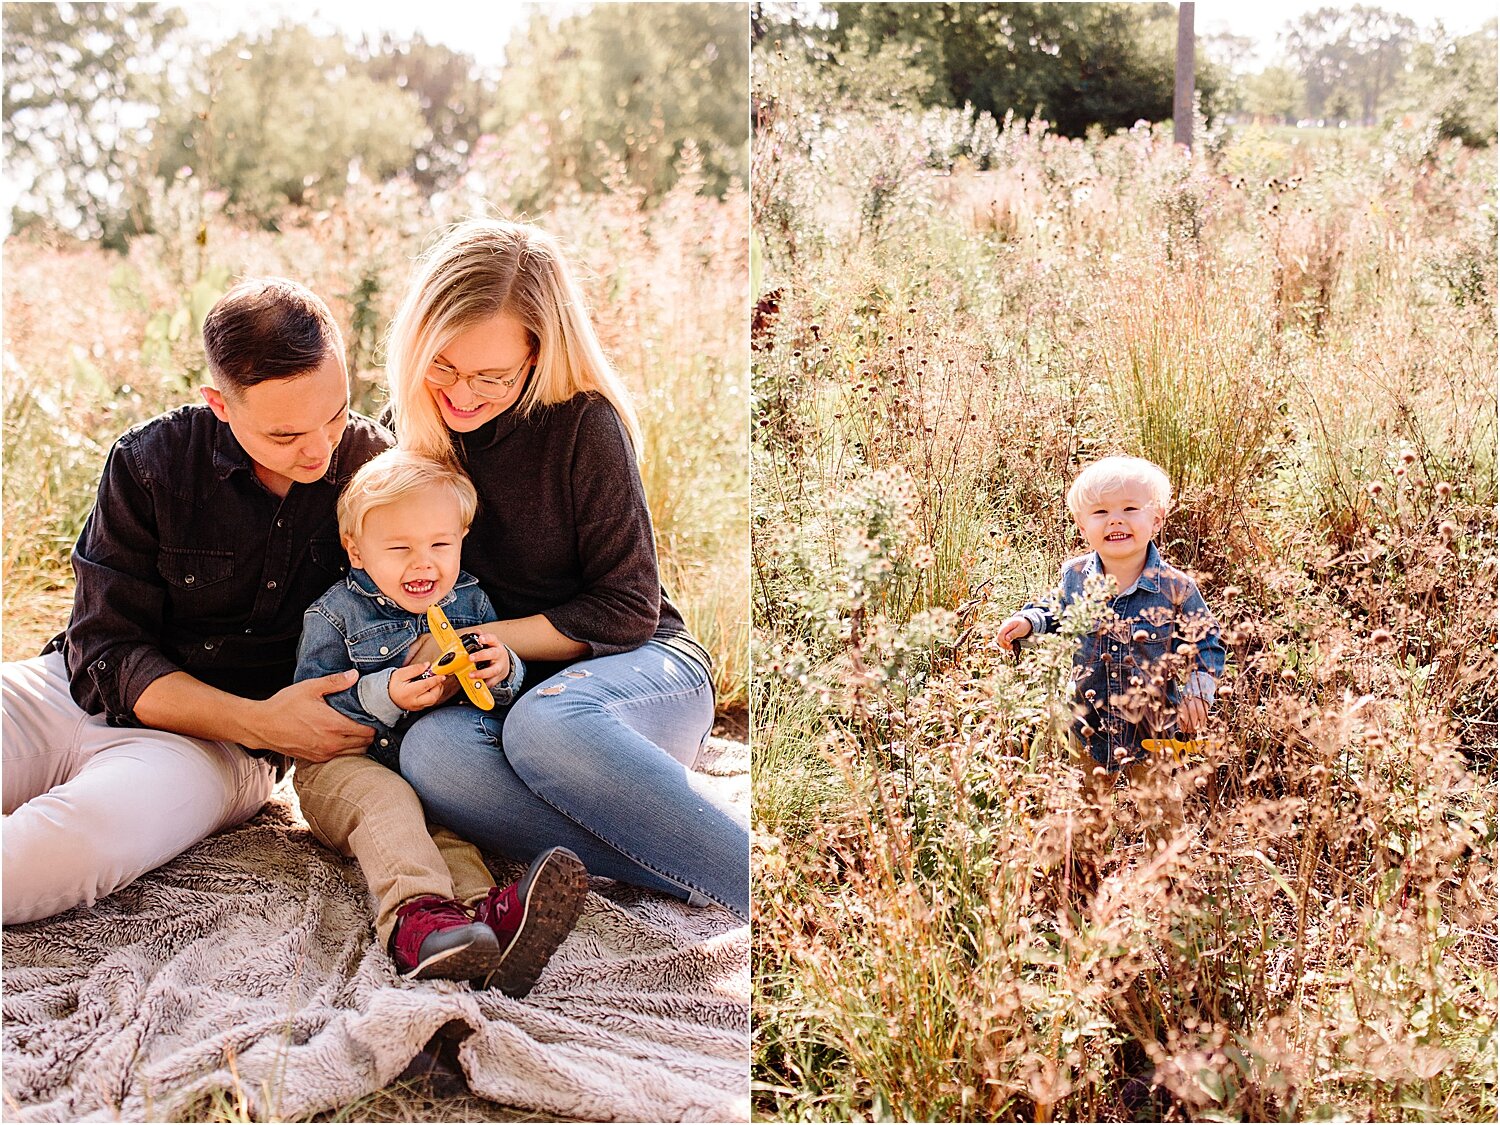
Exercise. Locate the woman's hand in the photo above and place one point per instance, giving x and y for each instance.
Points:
(530, 638)
(410, 691)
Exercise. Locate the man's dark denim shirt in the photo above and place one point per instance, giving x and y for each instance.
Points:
(1161, 612)
(189, 563)
(354, 625)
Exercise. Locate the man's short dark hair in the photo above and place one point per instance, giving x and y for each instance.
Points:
(267, 328)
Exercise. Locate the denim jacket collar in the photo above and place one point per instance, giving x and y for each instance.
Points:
(359, 582)
(1149, 573)
(230, 456)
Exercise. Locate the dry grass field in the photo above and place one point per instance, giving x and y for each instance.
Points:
(954, 921)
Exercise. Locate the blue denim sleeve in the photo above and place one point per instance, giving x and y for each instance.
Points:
(322, 652)
(1209, 662)
(1043, 613)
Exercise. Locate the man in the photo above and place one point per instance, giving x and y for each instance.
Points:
(162, 713)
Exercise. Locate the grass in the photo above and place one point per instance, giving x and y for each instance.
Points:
(956, 918)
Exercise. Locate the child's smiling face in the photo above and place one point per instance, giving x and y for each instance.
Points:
(410, 548)
(1120, 524)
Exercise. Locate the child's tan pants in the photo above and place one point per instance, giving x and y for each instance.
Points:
(360, 808)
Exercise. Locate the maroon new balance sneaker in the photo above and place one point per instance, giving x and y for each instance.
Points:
(437, 937)
(532, 917)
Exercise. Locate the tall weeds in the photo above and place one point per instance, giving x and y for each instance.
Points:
(958, 919)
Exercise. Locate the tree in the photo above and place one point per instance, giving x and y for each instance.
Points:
(1276, 92)
(1350, 59)
(288, 113)
(1182, 98)
(626, 85)
(449, 93)
(1075, 64)
(78, 110)
(1454, 80)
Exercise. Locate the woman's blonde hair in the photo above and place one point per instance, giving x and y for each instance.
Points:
(395, 474)
(478, 270)
(1113, 473)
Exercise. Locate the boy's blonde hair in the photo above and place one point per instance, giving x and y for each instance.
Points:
(1113, 473)
(393, 475)
(477, 271)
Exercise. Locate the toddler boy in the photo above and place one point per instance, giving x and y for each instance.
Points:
(1129, 670)
(402, 519)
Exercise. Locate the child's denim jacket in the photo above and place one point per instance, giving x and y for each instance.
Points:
(1161, 613)
(354, 625)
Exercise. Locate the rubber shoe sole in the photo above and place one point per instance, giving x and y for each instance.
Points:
(476, 957)
(552, 895)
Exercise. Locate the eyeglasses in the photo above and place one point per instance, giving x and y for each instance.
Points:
(486, 385)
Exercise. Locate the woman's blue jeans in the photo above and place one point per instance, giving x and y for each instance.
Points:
(595, 759)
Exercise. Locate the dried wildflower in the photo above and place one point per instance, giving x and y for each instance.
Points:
(1447, 531)
(1381, 637)
(1444, 490)
(1375, 488)
(1407, 456)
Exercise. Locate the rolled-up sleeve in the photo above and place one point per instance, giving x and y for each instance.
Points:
(1208, 647)
(114, 635)
(1042, 613)
(619, 605)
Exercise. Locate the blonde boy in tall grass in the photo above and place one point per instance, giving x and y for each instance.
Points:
(1150, 665)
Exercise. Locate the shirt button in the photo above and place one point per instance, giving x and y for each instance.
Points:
(189, 580)
(385, 742)
(271, 585)
(247, 630)
(281, 523)
(208, 645)
(380, 601)
(101, 664)
(384, 651)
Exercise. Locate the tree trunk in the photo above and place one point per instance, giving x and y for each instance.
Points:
(1182, 97)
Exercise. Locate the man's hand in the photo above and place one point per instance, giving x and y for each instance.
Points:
(1192, 714)
(1012, 630)
(298, 722)
(410, 692)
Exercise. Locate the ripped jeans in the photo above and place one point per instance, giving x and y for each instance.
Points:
(597, 759)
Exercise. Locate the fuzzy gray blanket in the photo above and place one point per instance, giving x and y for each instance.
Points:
(249, 967)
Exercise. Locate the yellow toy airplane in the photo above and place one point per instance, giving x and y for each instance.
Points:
(456, 661)
(1179, 748)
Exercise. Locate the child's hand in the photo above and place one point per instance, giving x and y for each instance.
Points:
(491, 662)
(1192, 714)
(412, 693)
(1012, 630)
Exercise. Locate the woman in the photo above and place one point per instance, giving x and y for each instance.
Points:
(493, 362)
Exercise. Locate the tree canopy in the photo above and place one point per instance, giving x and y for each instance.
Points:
(1076, 65)
(106, 103)
(626, 87)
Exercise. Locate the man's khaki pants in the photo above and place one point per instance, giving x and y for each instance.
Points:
(360, 808)
(90, 807)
